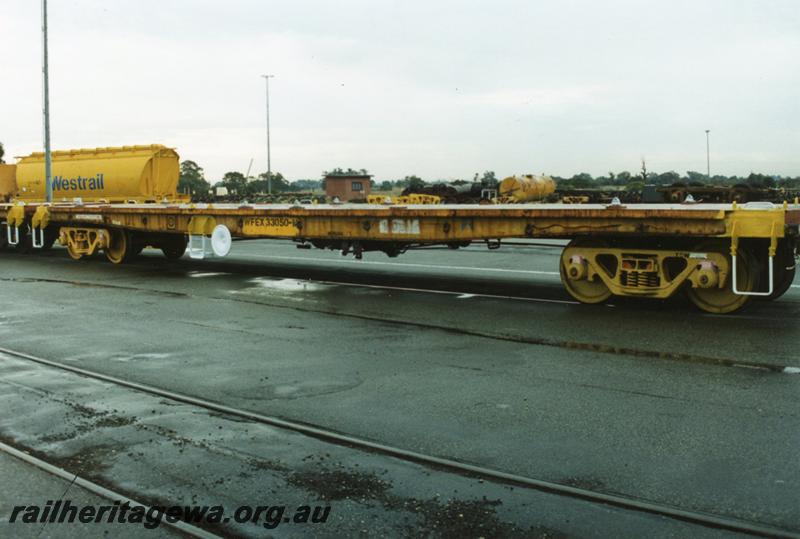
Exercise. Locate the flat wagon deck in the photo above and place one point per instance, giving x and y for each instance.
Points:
(720, 254)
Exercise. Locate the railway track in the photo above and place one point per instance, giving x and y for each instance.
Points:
(461, 468)
(323, 276)
(100, 490)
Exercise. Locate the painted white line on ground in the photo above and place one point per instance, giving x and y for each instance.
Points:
(207, 273)
(403, 264)
(791, 370)
(449, 293)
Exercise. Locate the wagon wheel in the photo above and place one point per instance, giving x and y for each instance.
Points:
(174, 248)
(50, 237)
(723, 300)
(120, 246)
(784, 270)
(72, 253)
(583, 290)
(25, 240)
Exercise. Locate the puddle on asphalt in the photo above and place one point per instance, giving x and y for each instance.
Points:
(122, 358)
(265, 286)
(138, 357)
(202, 274)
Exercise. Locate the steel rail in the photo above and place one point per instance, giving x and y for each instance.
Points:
(695, 517)
(100, 490)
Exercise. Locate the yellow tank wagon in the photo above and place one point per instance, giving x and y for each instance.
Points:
(114, 175)
(8, 184)
(527, 188)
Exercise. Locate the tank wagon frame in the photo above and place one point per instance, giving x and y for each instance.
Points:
(721, 255)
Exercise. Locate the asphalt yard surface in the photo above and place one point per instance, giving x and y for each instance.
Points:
(473, 355)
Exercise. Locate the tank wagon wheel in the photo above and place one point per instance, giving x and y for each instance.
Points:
(50, 237)
(138, 244)
(174, 249)
(784, 269)
(723, 300)
(72, 254)
(120, 246)
(583, 290)
(783, 279)
(25, 244)
(3, 237)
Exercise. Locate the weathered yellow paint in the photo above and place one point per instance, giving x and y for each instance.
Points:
(526, 188)
(83, 241)
(414, 198)
(749, 223)
(16, 215)
(652, 280)
(8, 182)
(269, 226)
(41, 218)
(427, 224)
(201, 225)
(419, 198)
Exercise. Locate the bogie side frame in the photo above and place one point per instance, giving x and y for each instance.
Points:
(721, 255)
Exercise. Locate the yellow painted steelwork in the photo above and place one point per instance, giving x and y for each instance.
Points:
(201, 225)
(526, 188)
(124, 174)
(379, 199)
(575, 199)
(8, 183)
(413, 198)
(270, 226)
(15, 216)
(437, 223)
(756, 221)
(420, 198)
(611, 251)
(644, 272)
(41, 218)
(82, 242)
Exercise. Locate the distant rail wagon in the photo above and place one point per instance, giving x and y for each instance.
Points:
(120, 200)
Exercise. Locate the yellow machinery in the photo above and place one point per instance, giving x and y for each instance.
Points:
(414, 198)
(125, 174)
(8, 184)
(526, 188)
(575, 199)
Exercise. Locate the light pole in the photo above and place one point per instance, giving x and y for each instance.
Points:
(48, 163)
(269, 162)
(708, 156)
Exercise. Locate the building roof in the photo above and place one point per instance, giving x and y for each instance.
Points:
(346, 176)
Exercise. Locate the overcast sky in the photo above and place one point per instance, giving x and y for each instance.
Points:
(441, 89)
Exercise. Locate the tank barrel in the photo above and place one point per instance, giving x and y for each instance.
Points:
(526, 188)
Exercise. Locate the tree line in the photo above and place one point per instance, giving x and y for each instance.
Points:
(193, 181)
(625, 179)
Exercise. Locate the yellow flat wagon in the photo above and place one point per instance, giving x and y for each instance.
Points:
(722, 255)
